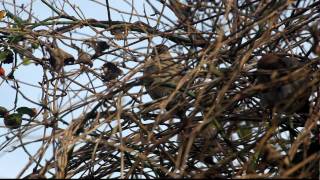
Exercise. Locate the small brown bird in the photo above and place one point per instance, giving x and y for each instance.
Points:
(84, 58)
(59, 58)
(284, 97)
(98, 46)
(160, 69)
(110, 71)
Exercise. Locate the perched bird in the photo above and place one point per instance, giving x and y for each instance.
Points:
(59, 58)
(84, 58)
(110, 71)
(284, 97)
(98, 46)
(101, 46)
(160, 69)
(13, 121)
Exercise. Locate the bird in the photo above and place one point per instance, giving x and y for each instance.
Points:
(98, 46)
(159, 71)
(13, 121)
(84, 58)
(283, 97)
(59, 58)
(110, 71)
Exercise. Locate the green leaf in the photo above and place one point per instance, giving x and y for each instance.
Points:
(26, 61)
(35, 45)
(15, 38)
(13, 121)
(16, 19)
(26, 110)
(9, 56)
(3, 55)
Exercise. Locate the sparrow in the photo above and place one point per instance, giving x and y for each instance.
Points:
(98, 46)
(159, 70)
(110, 71)
(59, 58)
(84, 58)
(274, 66)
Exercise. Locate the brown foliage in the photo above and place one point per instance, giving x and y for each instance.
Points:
(106, 121)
